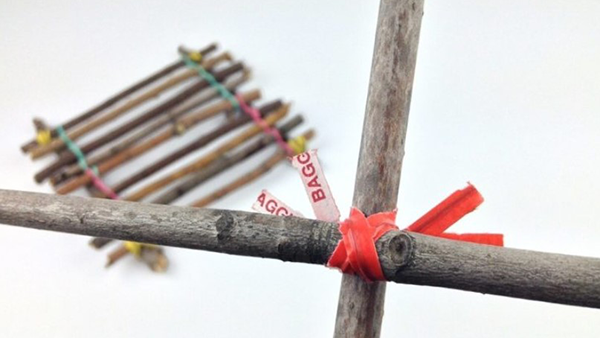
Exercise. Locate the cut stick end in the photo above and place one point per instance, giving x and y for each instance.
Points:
(228, 56)
(310, 134)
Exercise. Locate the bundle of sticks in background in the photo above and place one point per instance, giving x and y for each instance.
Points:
(194, 106)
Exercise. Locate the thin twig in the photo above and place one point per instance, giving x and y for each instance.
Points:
(67, 158)
(136, 151)
(57, 144)
(218, 166)
(223, 163)
(171, 118)
(279, 156)
(119, 96)
(190, 148)
(208, 158)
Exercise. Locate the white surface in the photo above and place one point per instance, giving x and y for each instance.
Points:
(506, 96)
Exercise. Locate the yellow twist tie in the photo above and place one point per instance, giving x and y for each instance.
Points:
(180, 128)
(195, 56)
(298, 144)
(43, 137)
(133, 247)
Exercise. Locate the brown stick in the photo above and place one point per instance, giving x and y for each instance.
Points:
(119, 96)
(199, 143)
(171, 118)
(114, 256)
(249, 177)
(136, 151)
(405, 257)
(360, 306)
(99, 242)
(208, 158)
(57, 144)
(68, 158)
(223, 163)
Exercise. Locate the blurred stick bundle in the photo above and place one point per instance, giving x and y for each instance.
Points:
(167, 120)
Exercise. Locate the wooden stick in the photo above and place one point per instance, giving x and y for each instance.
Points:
(220, 165)
(99, 242)
(208, 158)
(223, 163)
(57, 144)
(136, 151)
(171, 118)
(360, 305)
(189, 148)
(248, 177)
(119, 96)
(405, 257)
(114, 256)
(152, 255)
(68, 158)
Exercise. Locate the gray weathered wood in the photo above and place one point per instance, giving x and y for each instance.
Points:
(360, 305)
(405, 257)
(232, 232)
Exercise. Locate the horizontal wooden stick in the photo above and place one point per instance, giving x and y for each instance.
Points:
(119, 96)
(57, 144)
(405, 257)
(218, 166)
(67, 158)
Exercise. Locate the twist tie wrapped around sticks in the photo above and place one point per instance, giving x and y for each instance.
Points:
(43, 137)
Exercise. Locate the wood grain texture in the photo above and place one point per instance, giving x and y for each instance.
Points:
(360, 305)
(405, 257)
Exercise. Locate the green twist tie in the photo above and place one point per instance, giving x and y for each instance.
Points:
(225, 93)
(73, 148)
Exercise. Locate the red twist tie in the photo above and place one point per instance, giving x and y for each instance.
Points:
(100, 185)
(356, 253)
(257, 118)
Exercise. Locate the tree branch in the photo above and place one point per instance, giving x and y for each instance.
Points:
(405, 257)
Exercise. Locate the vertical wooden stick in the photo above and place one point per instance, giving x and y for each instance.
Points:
(360, 305)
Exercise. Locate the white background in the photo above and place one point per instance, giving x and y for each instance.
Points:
(506, 96)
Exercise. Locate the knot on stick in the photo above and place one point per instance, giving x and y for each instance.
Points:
(357, 254)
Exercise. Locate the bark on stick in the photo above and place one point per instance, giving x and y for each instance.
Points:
(405, 257)
(360, 305)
